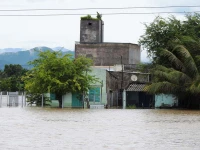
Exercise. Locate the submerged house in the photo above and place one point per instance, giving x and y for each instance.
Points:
(112, 63)
(96, 95)
(106, 56)
(131, 84)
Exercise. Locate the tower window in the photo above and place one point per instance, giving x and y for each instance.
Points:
(89, 23)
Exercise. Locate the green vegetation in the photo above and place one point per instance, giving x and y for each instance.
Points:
(36, 98)
(56, 73)
(89, 17)
(166, 33)
(11, 78)
(182, 80)
(131, 107)
(174, 48)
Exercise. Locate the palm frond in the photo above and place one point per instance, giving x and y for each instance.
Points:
(185, 57)
(163, 87)
(173, 59)
(195, 86)
(171, 75)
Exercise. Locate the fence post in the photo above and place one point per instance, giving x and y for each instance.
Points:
(22, 99)
(42, 100)
(25, 99)
(1, 100)
(8, 100)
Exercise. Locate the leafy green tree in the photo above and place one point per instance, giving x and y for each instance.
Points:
(5, 84)
(182, 79)
(57, 73)
(174, 47)
(14, 70)
(166, 33)
(10, 78)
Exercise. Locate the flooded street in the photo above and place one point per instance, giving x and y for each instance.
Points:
(56, 129)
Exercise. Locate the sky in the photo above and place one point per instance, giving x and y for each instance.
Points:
(53, 31)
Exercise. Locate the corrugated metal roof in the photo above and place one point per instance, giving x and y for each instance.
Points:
(136, 87)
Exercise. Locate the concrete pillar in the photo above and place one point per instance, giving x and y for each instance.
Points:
(124, 99)
(8, 101)
(22, 100)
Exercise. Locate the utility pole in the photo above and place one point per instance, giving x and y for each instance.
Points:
(122, 74)
(122, 81)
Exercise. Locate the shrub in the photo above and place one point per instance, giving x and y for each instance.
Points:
(131, 107)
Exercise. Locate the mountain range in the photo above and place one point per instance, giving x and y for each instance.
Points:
(22, 56)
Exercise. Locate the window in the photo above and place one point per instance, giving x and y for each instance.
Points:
(94, 94)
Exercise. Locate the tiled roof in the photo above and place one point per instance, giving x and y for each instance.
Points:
(136, 87)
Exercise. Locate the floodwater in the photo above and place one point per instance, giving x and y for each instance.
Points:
(32, 128)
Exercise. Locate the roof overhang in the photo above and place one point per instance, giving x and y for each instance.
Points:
(136, 87)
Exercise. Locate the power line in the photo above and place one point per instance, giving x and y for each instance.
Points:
(146, 13)
(61, 9)
(107, 14)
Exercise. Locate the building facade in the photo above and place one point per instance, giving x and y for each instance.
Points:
(91, 45)
(109, 55)
(91, 31)
(96, 95)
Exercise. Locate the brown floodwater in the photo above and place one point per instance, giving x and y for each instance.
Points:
(32, 128)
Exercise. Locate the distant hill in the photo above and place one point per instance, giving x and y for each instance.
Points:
(22, 57)
(11, 50)
(60, 49)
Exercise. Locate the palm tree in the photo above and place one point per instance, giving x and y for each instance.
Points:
(181, 78)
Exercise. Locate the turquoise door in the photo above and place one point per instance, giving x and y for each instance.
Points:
(76, 100)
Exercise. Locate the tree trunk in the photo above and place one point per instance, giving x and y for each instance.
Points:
(59, 98)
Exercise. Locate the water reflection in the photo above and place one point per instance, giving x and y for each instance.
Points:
(37, 128)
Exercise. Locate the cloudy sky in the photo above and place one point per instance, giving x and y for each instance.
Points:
(52, 31)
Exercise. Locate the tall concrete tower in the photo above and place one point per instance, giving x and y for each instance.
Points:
(102, 53)
(91, 31)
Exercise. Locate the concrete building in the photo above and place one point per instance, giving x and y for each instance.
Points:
(91, 45)
(116, 57)
(132, 84)
(109, 54)
(96, 95)
(91, 31)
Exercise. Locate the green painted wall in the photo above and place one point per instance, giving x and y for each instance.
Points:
(101, 74)
(67, 100)
(54, 103)
(71, 100)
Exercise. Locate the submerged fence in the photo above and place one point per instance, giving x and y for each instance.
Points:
(12, 99)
